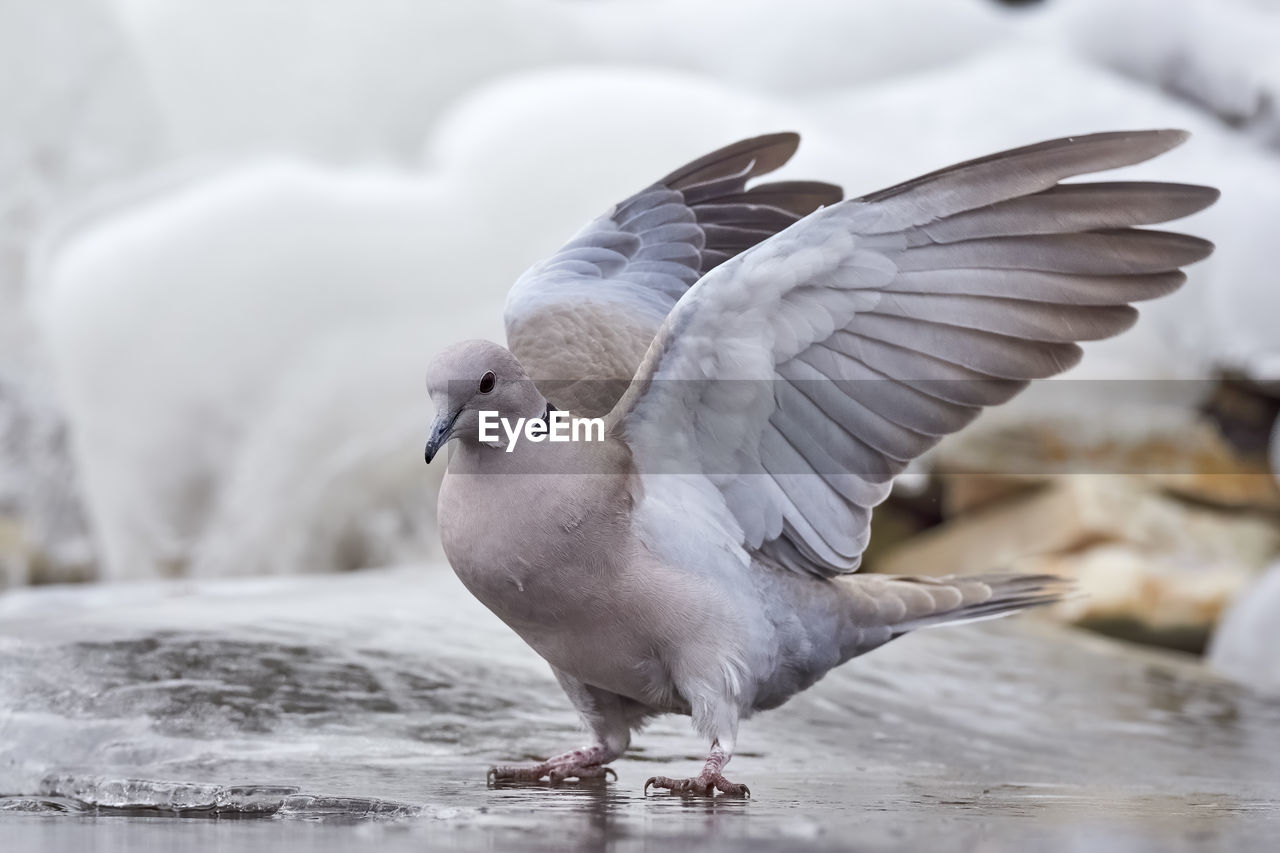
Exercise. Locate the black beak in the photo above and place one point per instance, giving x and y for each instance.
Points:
(441, 432)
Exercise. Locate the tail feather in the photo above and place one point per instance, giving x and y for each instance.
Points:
(902, 604)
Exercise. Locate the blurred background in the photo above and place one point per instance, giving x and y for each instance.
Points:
(233, 234)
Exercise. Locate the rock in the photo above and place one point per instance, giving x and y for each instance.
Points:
(44, 537)
(1170, 449)
(1151, 566)
(1159, 599)
(13, 553)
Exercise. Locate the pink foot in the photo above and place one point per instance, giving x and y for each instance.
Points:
(553, 773)
(705, 784)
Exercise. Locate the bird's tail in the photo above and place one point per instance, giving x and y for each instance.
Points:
(901, 603)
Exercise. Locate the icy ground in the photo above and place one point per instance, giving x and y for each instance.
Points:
(373, 703)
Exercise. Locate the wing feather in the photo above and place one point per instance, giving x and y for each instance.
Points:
(799, 377)
(629, 267)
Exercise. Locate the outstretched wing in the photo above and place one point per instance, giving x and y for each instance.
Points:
(581, 321)
(793, 382)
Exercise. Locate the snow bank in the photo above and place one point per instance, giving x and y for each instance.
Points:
(1246, 644)
(1219, 54)
(175, 325)
(902, 127)
(367, 80)
(804, 47)
(328, 78)
(75, 115)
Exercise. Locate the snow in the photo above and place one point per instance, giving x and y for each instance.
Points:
(366, 81)
(75, 117)
(1220, 54)
(175, 325)
(812, 45)
(1246, 643)
(327, 78)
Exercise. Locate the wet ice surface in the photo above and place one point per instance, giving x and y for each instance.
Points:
(364, 709)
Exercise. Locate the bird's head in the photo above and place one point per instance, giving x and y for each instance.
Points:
(474, 376)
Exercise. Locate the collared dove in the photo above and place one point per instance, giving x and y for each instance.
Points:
(782, 355)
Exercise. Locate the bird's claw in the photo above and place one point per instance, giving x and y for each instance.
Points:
(517, 773)
(581, 773)
(555, 774)
(704, 785)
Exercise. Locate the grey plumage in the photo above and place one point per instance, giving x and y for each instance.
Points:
(655, 244)
(775, 363)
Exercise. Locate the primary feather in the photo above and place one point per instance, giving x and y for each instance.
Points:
(877, 325)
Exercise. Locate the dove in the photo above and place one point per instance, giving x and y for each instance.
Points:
(761, 361)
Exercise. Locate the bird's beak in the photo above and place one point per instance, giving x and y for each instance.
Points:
(441, 432)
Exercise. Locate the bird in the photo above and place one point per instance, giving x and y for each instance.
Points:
(762, 359)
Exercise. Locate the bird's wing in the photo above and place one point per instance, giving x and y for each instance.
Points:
(581, 320)
(791, 383)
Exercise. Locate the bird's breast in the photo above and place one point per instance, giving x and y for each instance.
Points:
(536, 549)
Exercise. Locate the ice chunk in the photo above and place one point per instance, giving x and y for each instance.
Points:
(1246, 644)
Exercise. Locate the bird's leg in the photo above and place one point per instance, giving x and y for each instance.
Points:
(585, 763)
(711, 778)
(609, 717)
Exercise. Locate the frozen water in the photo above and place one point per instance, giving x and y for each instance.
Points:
(384, 695)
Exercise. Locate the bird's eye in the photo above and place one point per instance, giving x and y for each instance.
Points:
(487, 382)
